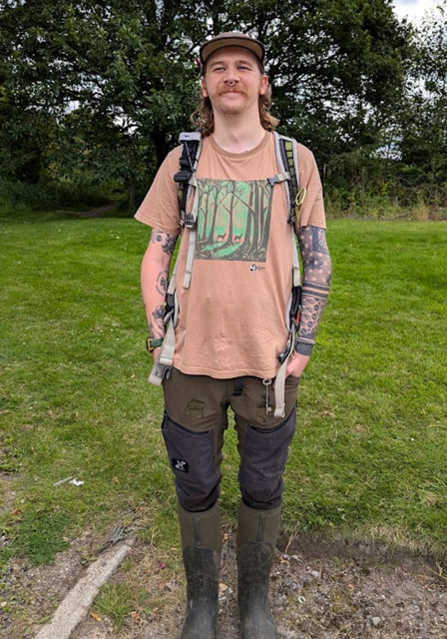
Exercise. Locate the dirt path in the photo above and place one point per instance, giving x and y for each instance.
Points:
(320, 590)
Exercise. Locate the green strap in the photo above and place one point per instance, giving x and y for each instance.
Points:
(288, 146)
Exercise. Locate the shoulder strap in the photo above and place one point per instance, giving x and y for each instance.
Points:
(287, 159)
(189, 159)
(185, 177)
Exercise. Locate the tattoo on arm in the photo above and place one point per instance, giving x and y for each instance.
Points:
(162, 282)
(316, 279)
(156, 324)
(167, 241)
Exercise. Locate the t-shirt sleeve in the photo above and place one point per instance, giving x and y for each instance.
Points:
(160, 208)
(312, 209)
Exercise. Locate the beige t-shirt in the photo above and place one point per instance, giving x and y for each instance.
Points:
(232, 319)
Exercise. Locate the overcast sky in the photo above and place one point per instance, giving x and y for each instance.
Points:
(413, 9)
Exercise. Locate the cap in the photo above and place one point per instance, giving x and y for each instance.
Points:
(231, 39)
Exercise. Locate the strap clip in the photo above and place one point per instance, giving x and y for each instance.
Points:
(182, 176)
(278, 178)
(189, 222)
(286, 352)
(153, 343)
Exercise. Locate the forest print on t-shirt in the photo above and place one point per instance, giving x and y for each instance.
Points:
(233, 221)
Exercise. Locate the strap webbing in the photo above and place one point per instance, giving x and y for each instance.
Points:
(191, 147)
(166, 357)
(192, 232)
(280, 379)
(296, 275)
(287, 160)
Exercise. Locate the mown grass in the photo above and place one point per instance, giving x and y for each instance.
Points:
(369, 455)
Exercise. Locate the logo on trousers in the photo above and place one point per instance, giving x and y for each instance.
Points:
(181, 465)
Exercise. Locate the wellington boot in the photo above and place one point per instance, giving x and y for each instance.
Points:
(257, 533)
(201, 557)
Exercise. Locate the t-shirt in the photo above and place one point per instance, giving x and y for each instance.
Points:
(232, 319)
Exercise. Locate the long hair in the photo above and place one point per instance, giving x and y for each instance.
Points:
(203, 117)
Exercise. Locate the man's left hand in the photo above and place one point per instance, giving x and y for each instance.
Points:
(297, 364)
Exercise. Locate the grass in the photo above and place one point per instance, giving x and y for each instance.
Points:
(369, 455)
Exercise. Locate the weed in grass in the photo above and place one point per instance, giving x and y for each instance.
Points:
(342, 600)
(117, 602)
(421, 211)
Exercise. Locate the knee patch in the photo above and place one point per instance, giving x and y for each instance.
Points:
(191, 457)
(263, 462)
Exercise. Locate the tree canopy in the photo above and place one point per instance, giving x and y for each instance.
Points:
(99, 91)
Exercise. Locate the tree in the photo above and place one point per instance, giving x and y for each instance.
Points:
(115, 76)
(120, 77)
(337, 67)
(424, 117)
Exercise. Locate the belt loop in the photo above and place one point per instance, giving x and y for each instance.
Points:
(238, 386)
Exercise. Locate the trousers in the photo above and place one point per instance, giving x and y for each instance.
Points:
(194, 422)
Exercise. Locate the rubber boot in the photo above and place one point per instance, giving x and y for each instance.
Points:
(256, 542)
(201, 556)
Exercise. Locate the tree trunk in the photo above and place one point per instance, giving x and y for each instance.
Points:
(159, 138)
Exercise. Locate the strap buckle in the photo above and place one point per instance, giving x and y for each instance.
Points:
(189, 222)
(182, 176)
(286, 352)
(278, 178)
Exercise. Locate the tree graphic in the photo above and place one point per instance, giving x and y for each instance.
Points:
(233, 219)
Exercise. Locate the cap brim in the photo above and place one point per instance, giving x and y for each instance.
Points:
(214, 45)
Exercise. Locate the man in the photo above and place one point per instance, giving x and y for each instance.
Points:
(231, 326)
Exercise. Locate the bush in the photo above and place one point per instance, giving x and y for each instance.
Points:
(49, 196)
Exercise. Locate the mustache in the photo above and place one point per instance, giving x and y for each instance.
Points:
(233, 89)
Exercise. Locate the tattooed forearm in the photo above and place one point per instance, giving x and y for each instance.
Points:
(162, 282)
(316, 281)
(167, 241)
(312, 307)
(156, 323)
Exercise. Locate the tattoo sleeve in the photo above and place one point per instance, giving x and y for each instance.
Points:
(156, 324)
(167, 241)
(155, 279)
(317, 271)
(162, 282)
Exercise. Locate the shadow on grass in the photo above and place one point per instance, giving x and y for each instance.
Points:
(11, 215)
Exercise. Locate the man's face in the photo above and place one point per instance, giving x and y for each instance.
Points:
(233, 81)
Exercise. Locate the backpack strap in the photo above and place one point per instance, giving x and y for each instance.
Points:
(287, 160)
(189, 159)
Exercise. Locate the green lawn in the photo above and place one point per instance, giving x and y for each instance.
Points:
(368, 460)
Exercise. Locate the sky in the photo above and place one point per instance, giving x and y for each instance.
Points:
(413, 9)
